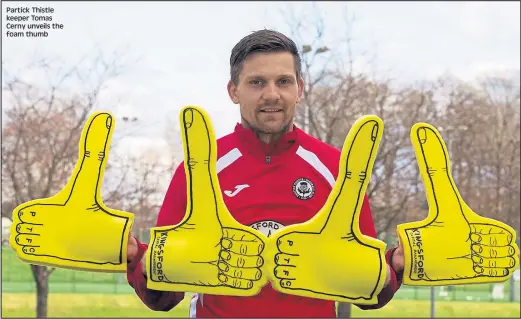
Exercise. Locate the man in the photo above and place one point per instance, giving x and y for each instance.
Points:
(272, 175)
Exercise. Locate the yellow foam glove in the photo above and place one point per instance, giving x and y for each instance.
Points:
(73, 229)
(208, 252)
(453, 245)
(328, 257)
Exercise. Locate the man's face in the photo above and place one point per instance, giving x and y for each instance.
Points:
(267, 91)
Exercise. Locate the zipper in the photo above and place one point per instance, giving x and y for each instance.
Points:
(268, 160)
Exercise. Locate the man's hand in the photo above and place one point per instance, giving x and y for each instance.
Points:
(453, 245)
(396, 265)
(132, 252)
(398, 261)
(132, 249)
(328, 257)
(208, 252)
(73, 229)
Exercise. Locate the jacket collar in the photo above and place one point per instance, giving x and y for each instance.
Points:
(249, 142)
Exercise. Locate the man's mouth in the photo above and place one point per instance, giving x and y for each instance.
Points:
(270, 110)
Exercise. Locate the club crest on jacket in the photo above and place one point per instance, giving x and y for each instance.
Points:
(303, 188)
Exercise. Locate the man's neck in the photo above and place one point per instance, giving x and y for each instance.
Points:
(265, 137)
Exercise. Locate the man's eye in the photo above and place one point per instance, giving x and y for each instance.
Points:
(285, 81)
(255, 82)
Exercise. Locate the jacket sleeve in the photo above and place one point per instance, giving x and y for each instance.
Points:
(367, 228)
(172, 212)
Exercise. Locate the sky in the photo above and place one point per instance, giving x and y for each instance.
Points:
(179, 51)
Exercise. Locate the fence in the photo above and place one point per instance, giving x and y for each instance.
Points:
(17, 278)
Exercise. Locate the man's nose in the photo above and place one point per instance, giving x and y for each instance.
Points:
(271, 92)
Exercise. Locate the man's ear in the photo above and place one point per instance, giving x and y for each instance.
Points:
(300, 89)
(232, 92)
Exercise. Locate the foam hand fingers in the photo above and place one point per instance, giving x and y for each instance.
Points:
(491, 235)
(250, 273)
(241, 261)
(242, 242)
(24, 230)
(241, 257)
(493, 262)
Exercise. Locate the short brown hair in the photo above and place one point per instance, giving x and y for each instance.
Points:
(262, 41)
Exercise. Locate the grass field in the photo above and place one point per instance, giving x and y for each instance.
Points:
(110, 306)
(13, 270)
(17, 278)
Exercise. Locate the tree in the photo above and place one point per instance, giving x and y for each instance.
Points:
(481, 128)
(138, 183)
(43, 117)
